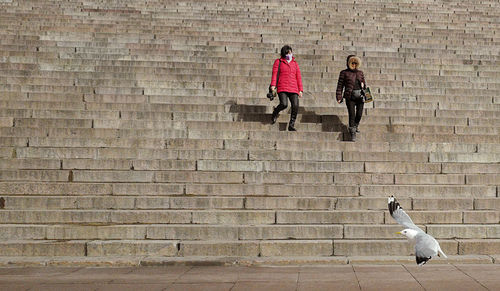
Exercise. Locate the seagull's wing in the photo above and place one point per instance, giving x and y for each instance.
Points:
(425, 248)
(400, 216)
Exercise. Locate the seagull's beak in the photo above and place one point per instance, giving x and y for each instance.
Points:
(398, 232)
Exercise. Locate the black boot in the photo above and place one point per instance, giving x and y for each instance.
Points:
(357, 127)
(274, 116)
(352, 131)
(291, 125)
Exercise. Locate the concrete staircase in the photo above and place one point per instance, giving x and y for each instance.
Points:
(141, 128)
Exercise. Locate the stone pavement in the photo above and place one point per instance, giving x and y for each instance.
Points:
(347, 277)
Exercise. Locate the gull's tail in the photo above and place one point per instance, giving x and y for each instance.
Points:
(441, 252)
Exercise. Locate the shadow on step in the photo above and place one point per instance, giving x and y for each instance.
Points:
(262, 114)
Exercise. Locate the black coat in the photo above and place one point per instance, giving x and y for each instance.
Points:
(347, 79)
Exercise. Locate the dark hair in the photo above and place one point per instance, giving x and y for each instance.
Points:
(285, 50)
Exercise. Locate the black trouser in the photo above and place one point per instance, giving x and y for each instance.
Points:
(294, 100)
(355, 110)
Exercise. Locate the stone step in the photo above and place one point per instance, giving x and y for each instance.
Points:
(426, 137)
(408, 203)
(106, 217)
(315, 79)
(89, 248)
(428, 168)
(232, 10)
(143, 203)
(37, 248)
(119, 261)
(220, 232)
(319, 100)
(13, 142)
(313, 190)
(465, 158)
(226, 46)
(470, 168)
(39, 105)
(188, 49)
(369, 167)
(254, 248)
(429, 191)
(270, 203)
(418, 179)
(251, 203)
(374, 217)
(435, 147)
(91, 132)
(69, 114)
(375, 146)
(41, 164)
(446, 203)
(131, 247)
(255, 75)
(335, 145)
(79, 142)
(321, 97)
(314, 82)
(55, 188)
(157, 176)
(325, 130)
(386, 247)
(34, 175)
(481, 231)
(215, 18)
(482, 122)
(168, 154)
(171, 232)
(268, 248)
(313, 67)
(487, 204)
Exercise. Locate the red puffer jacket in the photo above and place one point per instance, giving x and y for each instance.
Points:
(290, 79)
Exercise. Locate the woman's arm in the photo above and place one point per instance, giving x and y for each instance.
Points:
(363, 82)
(299, 80)
(340, 86)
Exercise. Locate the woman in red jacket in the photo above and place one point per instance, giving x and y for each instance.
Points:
(289, 85)
(351, 81)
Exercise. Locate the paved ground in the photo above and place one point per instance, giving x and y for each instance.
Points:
(185, 278)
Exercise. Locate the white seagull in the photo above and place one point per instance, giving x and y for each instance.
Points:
(425, 245)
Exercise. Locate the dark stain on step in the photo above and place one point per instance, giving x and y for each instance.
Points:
(2, 203)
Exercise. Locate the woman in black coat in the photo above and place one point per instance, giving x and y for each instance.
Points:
(351, 81)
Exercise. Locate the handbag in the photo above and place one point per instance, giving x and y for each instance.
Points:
(357, 96)
(367, 95)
